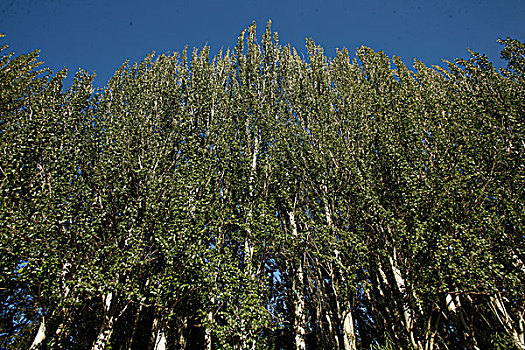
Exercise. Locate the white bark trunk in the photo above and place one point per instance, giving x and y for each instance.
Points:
(106, 330)
(349, 331)
(407, 311)
(299, 306)
(331, 326)
(158, 336)
(330, 321)
(298, 292)
(400, 283)
(207, 332)
(248, 253)
(248, 247)
(160, 340)
(454, 307)
(392, 313)
(451, 305)
(40, 335)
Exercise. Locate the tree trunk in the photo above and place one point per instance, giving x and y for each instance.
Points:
(182, 334)
(299, 308)
(248, 247)
(106, 329)
(40, 335)
(432, 328)
(349, 338)
(207, 332)
(158, 334)
(131, 341)
(298, 294)
(160, 341)
(332, 328)
(407, 311)
(454, 308)
(391, 313)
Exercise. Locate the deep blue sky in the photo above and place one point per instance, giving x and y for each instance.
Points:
(99, 35)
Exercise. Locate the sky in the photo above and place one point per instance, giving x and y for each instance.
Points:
(98, 36)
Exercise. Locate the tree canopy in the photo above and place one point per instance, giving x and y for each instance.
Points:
(260, 199)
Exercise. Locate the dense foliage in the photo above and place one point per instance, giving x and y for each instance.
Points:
(263, 200)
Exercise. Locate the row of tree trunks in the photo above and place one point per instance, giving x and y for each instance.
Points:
(513, 325)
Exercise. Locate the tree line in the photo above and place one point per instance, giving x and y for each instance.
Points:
(260, 199)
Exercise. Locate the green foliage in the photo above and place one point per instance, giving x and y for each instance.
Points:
(263, 200)
(514, 54)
